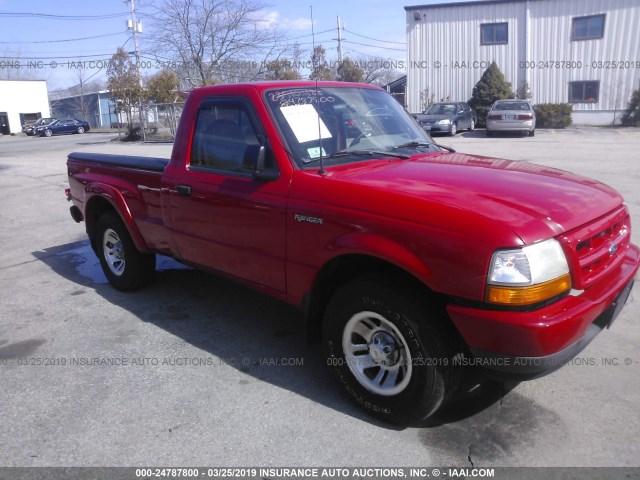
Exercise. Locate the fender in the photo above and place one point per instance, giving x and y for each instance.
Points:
(383, 248)
(119, 204)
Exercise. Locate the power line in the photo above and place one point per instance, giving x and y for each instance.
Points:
(375, 46)
(75, 57)
(375, 57)
(69, 39)
(51, 16)
(374, 39)
(309, 35)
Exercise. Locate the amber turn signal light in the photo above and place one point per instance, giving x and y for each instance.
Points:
(530, 294)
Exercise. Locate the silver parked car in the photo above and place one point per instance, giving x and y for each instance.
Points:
(511, 116)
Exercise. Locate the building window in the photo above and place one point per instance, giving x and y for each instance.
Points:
(494, 33)
(587, 28)
(584, 92)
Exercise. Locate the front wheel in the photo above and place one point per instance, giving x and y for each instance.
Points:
(80, 130)
(454, 130)
(48, 133)
(124, 265)
(391, 351)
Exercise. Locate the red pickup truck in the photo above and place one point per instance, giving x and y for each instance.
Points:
(409, 260)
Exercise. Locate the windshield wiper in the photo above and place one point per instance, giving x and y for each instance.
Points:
(444, 147)
(346, 153)
(413, 144)
(416, 144)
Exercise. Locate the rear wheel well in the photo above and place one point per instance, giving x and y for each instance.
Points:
(96, 208)
(342, 270)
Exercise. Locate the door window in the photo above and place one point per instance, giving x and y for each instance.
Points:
(225, 138)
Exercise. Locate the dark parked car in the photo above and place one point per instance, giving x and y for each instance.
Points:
(447, 117)
(30, 127)
(63, 125)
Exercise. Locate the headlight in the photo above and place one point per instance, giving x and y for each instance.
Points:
(528, 275)
(446, 121)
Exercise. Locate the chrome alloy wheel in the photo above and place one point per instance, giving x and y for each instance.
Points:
(113, 251)
(377, 354)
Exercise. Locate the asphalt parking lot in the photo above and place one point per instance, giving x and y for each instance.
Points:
(192, 379)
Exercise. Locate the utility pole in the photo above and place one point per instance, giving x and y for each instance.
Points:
(136, 27)
(339, 41)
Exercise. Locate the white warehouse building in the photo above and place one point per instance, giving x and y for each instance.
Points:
(582, 52)
(20, 101)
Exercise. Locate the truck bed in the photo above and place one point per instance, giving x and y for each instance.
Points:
(153, 164)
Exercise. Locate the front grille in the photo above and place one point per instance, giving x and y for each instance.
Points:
(596, 248)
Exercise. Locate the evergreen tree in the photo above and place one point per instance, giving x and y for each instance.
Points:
(492, 86)
(631, 115)
(162, 87)
(349, 71)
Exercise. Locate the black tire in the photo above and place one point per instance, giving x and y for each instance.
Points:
(80, 130)
(126, 268)
(532, 133)
(417, 326)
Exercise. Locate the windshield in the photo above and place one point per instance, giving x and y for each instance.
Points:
(511, 106)
(344, 124)
(442, 109)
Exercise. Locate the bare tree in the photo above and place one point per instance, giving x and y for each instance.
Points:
(208, 41)
(378, 70)
(80, 90)
(524, 91)
(426, 99)
(14, 67)
(321, 67)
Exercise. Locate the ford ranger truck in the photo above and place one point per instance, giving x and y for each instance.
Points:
(408, 260)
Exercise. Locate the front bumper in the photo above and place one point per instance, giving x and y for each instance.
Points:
(530, 344)
(434, 128)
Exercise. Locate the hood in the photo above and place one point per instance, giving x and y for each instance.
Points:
(533, 201)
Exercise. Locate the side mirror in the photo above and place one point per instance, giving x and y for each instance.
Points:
(254, 160)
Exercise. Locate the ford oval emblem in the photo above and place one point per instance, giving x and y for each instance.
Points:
(613, 248)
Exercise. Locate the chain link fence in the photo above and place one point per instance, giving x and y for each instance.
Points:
(162, 121)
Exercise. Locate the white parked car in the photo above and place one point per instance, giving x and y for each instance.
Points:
(511, 116)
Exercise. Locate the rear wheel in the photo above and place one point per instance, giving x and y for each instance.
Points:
(391, 351)
(532, 133)
(80, 130)
(472, 125)
(124, 265)
(48, 133)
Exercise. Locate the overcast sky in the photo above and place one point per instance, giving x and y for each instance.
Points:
(54, 39)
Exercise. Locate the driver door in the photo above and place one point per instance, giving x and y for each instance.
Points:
(220, 216)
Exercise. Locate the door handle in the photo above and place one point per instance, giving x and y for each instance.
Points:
(184, 190)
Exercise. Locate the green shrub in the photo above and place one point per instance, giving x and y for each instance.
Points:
(553, 115)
